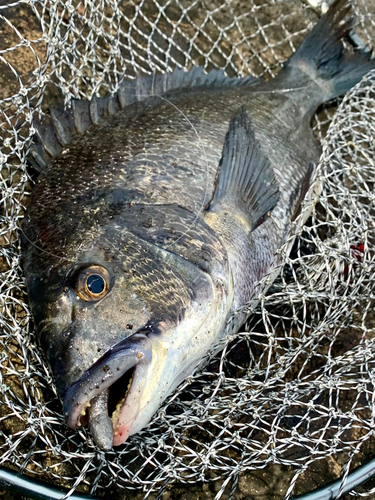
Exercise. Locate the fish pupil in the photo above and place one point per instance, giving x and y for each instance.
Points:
(95, 284)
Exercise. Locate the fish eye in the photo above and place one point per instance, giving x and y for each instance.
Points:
(93, 283)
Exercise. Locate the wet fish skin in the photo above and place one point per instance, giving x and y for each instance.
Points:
(135, 195)
(139, 269)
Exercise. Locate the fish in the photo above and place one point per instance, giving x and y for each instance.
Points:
(157, 217)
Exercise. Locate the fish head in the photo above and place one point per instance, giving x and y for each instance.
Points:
(122, 321)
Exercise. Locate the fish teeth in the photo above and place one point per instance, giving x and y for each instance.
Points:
(129, 384)
(116, 413)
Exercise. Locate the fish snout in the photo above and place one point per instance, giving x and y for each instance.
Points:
(105, 396)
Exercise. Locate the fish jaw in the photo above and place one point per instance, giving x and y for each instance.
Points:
(176, 353)
(140, 372)
(128, 410)
(169, 366)
(178, 349)
(159, 363)
(86, 394)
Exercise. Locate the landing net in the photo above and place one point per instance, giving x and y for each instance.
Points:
(288, 406)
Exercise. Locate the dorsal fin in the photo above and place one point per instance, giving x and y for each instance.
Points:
(245, 178)
(53, 134)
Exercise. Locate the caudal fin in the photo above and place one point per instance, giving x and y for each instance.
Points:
(321, 57)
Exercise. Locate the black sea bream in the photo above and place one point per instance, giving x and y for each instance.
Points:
(156, 212)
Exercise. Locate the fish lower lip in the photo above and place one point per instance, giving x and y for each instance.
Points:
(91, 392)
(105, 409)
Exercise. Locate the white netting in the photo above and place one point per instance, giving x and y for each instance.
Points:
(285, 408)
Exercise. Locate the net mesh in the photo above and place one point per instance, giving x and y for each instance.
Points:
(289, 403)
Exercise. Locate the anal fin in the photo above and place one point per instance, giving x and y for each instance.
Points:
(299, 194)
(245, 180)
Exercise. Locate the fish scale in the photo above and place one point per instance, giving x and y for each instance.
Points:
(175, 206)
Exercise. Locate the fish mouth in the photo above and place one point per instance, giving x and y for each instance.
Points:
(107, 396)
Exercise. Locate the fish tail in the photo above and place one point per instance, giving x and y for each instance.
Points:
(322, 60)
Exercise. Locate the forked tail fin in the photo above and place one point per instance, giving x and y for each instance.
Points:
(322, 59)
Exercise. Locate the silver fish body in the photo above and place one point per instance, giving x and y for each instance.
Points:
(158, 213)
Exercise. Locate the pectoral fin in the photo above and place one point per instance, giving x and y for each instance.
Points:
(245, 180)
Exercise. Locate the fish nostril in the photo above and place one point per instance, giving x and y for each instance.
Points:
(73, 314)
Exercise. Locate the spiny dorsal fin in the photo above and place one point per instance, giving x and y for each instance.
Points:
(57, 132)
(245, 177)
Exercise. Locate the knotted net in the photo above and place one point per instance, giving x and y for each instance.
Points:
(288, 405)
